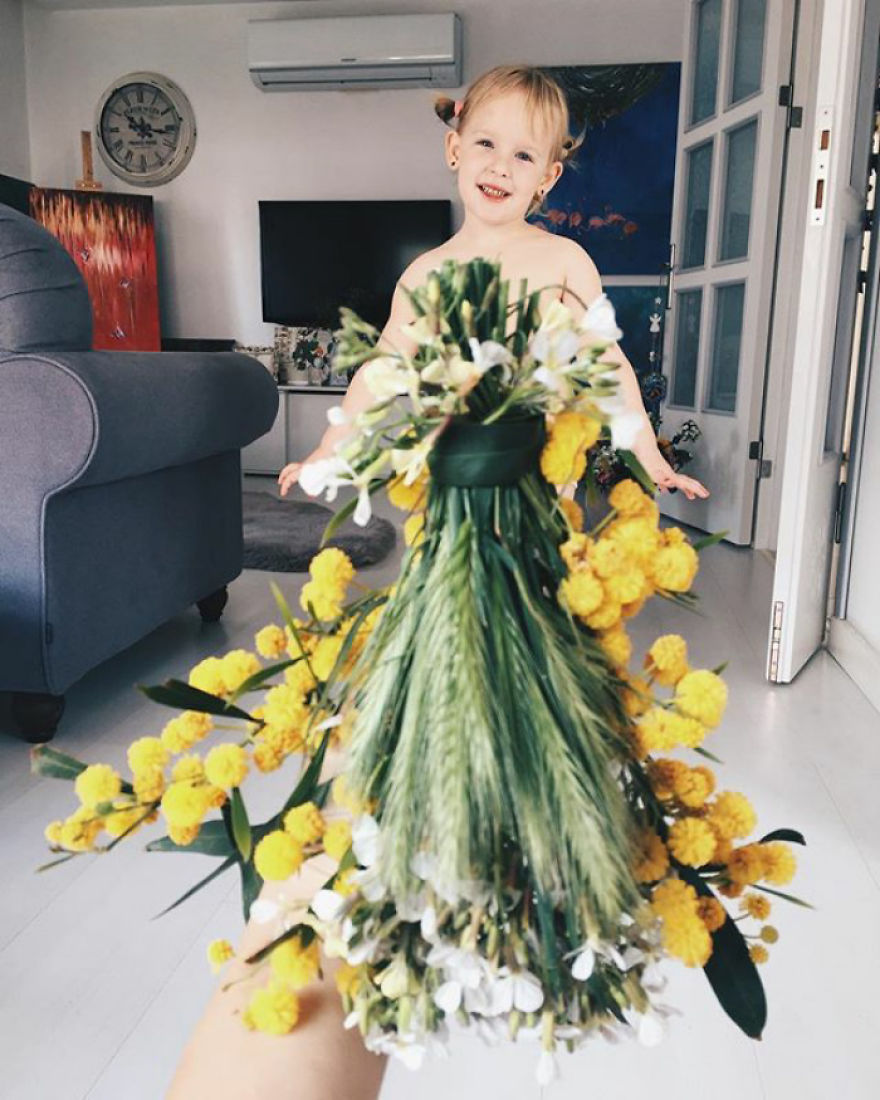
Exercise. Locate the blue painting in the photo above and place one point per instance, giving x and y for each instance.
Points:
(615, 196)
(639, 309)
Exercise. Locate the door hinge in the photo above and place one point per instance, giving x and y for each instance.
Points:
(794, 116)
(765, 466)
(839, 506)
(775, 641)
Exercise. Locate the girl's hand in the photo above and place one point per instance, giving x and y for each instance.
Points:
(289, 476)
(664, 477)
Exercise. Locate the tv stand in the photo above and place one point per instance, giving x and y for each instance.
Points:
(298, 427)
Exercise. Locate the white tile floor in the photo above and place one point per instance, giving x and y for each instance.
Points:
(96, 999)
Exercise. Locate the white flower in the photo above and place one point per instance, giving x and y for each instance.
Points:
(387, 377)
(370, 883)
(599, 322)
(412, 906)
(547, 1069)
(363, 509)
(489, 354)
(364, 952)
(521, 990)
(453, 373)
(336, 416)
(411, 1054)
(365, 840)
(428, 924)
(448, 996)
(554, 349)
(325, 474)
(625, 423)
(556, 318)
(410, 461)
(582, 967)
(395, 978)
(650, 1028)
(327, 905)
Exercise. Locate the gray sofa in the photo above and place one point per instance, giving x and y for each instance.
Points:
(120, 479)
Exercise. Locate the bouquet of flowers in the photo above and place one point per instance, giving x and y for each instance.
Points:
(512, 846)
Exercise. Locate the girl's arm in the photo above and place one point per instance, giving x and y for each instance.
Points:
(358, 396)
(583, 286)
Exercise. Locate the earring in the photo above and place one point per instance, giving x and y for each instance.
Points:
(453, 163)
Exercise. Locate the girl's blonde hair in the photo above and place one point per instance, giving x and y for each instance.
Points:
(544, 98)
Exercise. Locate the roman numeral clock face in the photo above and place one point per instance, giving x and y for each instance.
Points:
(145, 129)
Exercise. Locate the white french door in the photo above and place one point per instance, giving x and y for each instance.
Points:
(826, 309)
(729, 168)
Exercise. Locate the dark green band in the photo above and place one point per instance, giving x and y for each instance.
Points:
(472, 455)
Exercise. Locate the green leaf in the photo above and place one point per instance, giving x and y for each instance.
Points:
(338, 519)
(304, 932)
(182, 696)
(213, 840)
(224, 866)
(251, 884)
(707, 754)
(263, 675)
(781, 894)
(548, 940)
(638, 471)
(58, 765)
(730, 970)
(305, 789)
(241, 827)
(55, 862)
(710, 540)
(784, 834)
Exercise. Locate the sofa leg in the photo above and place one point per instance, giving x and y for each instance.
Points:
(37, 715)
(211, 607)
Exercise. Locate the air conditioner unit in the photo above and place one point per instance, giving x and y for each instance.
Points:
(362, 51)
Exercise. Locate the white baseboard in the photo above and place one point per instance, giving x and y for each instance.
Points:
(857, 657)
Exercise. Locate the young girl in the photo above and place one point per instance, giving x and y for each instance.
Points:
(507, 142)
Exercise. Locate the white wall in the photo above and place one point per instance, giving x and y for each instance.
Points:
(252, 145)
(14, 151)
(863, 604)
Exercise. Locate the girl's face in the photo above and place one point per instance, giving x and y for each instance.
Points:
(502, 161)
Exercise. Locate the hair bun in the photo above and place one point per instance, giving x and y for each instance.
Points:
(444, 108)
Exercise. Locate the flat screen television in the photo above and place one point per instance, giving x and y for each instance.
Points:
(316, 256)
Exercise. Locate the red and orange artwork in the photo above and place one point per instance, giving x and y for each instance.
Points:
(112, 240)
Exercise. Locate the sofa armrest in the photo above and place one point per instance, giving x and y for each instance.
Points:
(130, 413)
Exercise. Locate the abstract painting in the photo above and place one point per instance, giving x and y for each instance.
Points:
(615, 196)
(111, 238)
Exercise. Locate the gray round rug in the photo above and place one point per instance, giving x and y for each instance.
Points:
(284, 535)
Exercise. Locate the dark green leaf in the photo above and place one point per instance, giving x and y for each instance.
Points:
(251, 884)
(305, 789)
(182, 696)
(213, 840)
(58, 765)
(548, 940)
(241, 827)
(730, 970)
(224, 866)
(304, 932)
(784, 834)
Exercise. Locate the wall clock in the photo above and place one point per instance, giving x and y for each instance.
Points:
(145, 129)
